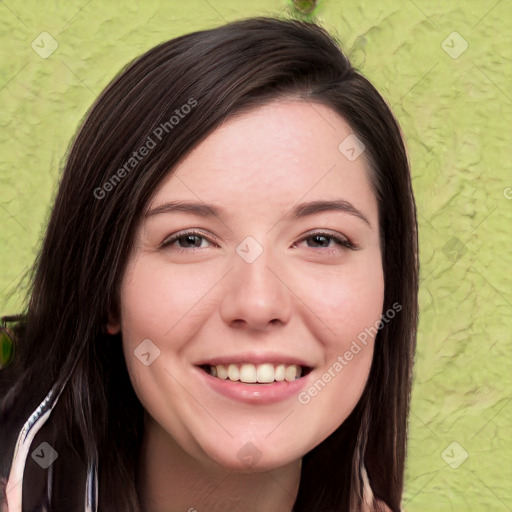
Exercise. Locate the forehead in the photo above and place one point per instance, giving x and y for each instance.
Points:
(272, 157)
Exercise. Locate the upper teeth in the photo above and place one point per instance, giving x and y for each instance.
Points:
(262, 373)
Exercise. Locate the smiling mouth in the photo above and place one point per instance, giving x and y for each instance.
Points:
(248, 373)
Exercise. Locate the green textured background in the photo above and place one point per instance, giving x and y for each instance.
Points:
(456, 117)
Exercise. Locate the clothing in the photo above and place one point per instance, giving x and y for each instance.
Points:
(14, 488)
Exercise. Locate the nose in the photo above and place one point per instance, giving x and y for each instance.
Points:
(256, 296)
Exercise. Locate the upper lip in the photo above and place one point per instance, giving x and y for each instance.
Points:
(254, 358)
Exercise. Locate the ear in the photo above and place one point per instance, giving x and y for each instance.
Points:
(113, 326)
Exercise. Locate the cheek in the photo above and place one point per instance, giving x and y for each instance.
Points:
(347, 301)
(166, 306)
(349, 305)
(157, 298)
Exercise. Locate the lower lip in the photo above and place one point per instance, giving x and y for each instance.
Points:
(254, 393)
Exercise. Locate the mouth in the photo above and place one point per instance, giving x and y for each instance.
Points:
(249, 373)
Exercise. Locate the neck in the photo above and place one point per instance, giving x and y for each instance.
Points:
(170, 480)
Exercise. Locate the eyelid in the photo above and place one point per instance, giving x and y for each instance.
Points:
(179, 234)
(340, 239)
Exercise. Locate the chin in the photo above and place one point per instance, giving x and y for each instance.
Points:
(254, 457)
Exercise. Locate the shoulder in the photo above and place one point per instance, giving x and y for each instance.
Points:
(380, 506)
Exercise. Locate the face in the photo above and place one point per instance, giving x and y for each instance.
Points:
(240, 320)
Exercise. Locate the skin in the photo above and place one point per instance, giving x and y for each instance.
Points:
(302, 297)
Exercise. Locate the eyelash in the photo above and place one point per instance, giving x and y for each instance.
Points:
(342, 242)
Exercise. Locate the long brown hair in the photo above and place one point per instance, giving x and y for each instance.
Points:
(76, 276)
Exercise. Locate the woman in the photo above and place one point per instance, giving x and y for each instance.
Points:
(253, 370)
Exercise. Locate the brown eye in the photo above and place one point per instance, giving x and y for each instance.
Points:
(322, 240)
(186, 240)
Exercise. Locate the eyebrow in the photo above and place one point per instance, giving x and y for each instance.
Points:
(300, 211)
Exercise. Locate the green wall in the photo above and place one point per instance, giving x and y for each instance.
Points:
(454, 104)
